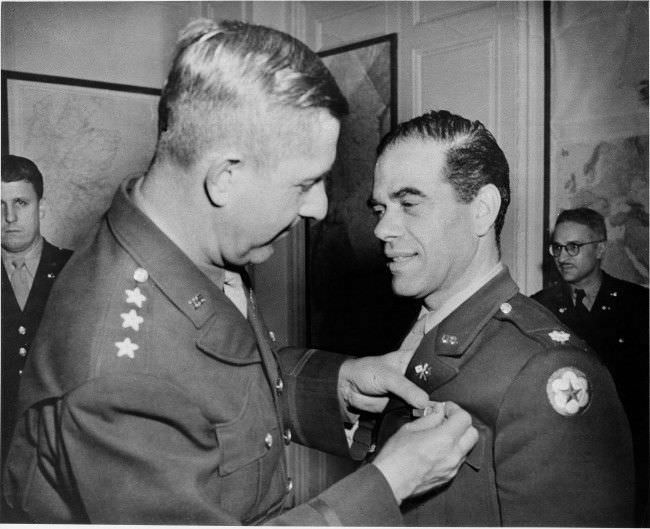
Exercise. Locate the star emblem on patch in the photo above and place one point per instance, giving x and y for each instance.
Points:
(422, 371)
(135, 296)
(132, 319)
(559, 336)
(126, 348)
(568, 391)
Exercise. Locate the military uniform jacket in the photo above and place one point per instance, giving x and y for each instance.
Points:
(554, 446)
(617, 328)
(19, 328)
(149, 398)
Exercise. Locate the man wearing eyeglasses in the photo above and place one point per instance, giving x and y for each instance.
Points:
(610, 314)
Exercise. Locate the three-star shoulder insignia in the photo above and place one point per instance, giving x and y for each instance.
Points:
(135, 296)
(568, 391)
(559, 336)
(126, 348)
(132, 319)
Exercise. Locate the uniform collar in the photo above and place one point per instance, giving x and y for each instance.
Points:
(32, 257)
(456, 332)
(434, 317)
(175, 274)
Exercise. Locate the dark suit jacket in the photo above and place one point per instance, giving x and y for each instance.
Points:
(505, 358)
(617, 328)
(19, 328)
(149, 398)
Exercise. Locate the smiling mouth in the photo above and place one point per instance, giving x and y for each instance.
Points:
(397, 259)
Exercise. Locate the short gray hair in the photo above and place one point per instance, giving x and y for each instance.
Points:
(220, 69)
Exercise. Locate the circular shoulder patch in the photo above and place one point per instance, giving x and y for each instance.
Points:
(568, 391)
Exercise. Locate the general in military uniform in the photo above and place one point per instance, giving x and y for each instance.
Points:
(554, 445)
(611, 315)
(153, 393)
(30, 266)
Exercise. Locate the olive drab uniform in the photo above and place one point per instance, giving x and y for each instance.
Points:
(19, 328)
(616, 327)
(149, 398)
(554, 445)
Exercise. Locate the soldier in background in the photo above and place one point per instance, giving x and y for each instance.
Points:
(30, 266)
(611, 315)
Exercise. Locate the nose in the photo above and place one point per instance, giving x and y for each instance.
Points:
(8, 213)
(314, 204)
(387, 228)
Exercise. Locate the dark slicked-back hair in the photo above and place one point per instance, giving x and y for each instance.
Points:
(587, 217)
(222, 69)
(17, 169)
(474, 159)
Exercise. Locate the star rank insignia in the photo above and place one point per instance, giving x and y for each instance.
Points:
(132, 319)
(422, 371)
(568, 391)
(135, 296)
(126, 348)
(559, 336)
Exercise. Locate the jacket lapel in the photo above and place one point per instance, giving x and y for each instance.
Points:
(441, 352)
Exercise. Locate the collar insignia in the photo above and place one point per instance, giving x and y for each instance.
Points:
(423, 371)
(197, 301)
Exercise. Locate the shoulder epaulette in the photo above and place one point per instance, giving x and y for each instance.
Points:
(537, 322)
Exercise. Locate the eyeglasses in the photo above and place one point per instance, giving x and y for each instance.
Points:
(572, 248)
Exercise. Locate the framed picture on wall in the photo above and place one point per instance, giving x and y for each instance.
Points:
(351, 307)
(597, 119)
(85, 136)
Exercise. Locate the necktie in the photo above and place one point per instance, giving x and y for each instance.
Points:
(233, 288)
(414, 337)
(580, 306)
(20, 282)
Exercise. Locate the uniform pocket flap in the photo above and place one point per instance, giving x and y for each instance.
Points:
(230, 341)
(246, 438)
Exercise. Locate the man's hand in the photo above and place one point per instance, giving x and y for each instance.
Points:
(427, 452)
(365, 383)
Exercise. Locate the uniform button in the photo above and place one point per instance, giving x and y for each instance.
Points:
(268, 440)
(287, 436)
(289, 484)
(621, 340)
(279, 386)
(22, 330)
(20, 372)
(22, 351)
(140, 275)
(272, 336)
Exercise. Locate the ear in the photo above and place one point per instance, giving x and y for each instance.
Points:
(600, 249)
(485, 208)
(42, 208)
(219, 180)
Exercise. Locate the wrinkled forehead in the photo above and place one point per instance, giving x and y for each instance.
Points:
(572, 232)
